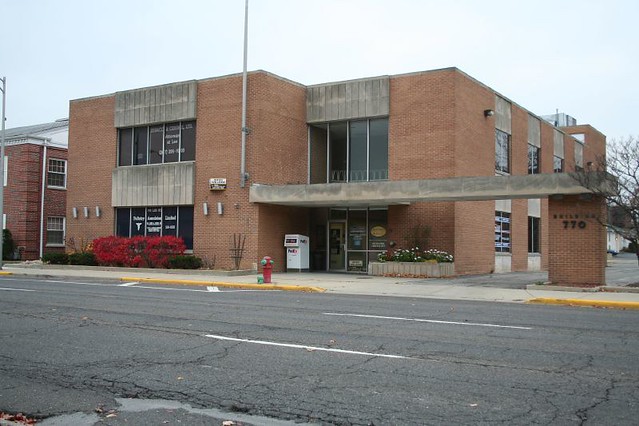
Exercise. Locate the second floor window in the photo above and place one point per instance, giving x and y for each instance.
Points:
(502, 151)
(57, 173)
(162, 143)
(533, 159)
(558, 164)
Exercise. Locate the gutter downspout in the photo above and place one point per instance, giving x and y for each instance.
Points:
(243, 174)
(44, 185)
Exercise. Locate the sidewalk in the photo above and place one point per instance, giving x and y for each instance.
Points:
(512, 287)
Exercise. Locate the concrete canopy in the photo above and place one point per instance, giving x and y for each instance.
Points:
(407, 191)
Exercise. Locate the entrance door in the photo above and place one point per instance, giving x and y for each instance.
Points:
(337, 246)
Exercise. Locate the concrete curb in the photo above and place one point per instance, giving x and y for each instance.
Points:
(584, 302)
(305, 289)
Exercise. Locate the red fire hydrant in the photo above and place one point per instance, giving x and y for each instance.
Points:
(267, 265)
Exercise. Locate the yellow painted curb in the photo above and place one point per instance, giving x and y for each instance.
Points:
(6, 273)
(228, 285)
(583, 302)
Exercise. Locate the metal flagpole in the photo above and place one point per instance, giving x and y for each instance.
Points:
(4, 105)
(243, 174)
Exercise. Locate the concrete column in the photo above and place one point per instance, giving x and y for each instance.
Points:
(577, 240)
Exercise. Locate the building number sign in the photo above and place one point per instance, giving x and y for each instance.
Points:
(572, 224)
(573, 221)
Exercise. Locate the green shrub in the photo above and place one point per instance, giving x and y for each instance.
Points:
(56, 258)
(8, 245)
(83, 258)
(185, 262)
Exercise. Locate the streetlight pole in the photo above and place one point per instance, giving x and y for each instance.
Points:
(4, 106)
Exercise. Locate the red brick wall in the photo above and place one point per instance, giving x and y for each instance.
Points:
(92, 157)
(474, 156)
(275, 154)
(422, 126)
(274, 223)
(22, 197)
(577, 255)
(595, 143)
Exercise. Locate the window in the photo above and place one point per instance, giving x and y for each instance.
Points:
(164, 143)
(579, 157)
(533, 234)
(502, 232)
(533, 159)
(502, 151)
(558, 164)
(55, 231)
(357, 151)
(156, 221)
(57, 173)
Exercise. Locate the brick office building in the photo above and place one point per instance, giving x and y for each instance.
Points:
(432, 149)
(35, 187)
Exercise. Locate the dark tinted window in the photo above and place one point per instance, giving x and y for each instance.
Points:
(533, 234)
(188, 141)
(140, 145)
(338, 144)
(124, 148)
(138, 220)
(185, 225)
(156, 145)
(378, 149)
(172, 143)
(169, 221)
(154, 221)
(357, 154)
(122, 222)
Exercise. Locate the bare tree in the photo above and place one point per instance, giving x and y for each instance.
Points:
(622, 164)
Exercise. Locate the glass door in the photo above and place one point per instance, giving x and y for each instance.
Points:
(337, 246)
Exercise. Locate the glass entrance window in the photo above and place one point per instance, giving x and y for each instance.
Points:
(356, 237)
(357, 240)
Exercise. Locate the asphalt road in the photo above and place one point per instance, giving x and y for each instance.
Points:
(141, 354)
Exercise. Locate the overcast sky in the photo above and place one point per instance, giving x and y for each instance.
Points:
(581, 56)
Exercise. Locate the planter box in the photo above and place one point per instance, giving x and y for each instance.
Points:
(425, 269)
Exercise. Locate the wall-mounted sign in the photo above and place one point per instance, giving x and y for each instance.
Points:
(378, 231)
(217, 184)
(572, 221)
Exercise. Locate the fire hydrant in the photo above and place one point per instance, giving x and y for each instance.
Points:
(267, 265)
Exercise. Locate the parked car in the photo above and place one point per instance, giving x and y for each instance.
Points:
(613, 252)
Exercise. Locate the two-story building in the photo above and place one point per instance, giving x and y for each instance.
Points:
(359, 166)
(35, 182)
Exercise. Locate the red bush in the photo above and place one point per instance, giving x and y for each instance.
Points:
(149, 252)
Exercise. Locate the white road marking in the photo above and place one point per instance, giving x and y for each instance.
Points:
(305, 347)
(212, 288)
(476, 324)
(14, 289)
(133, 285)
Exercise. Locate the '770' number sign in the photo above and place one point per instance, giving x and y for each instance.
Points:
(572, 224)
